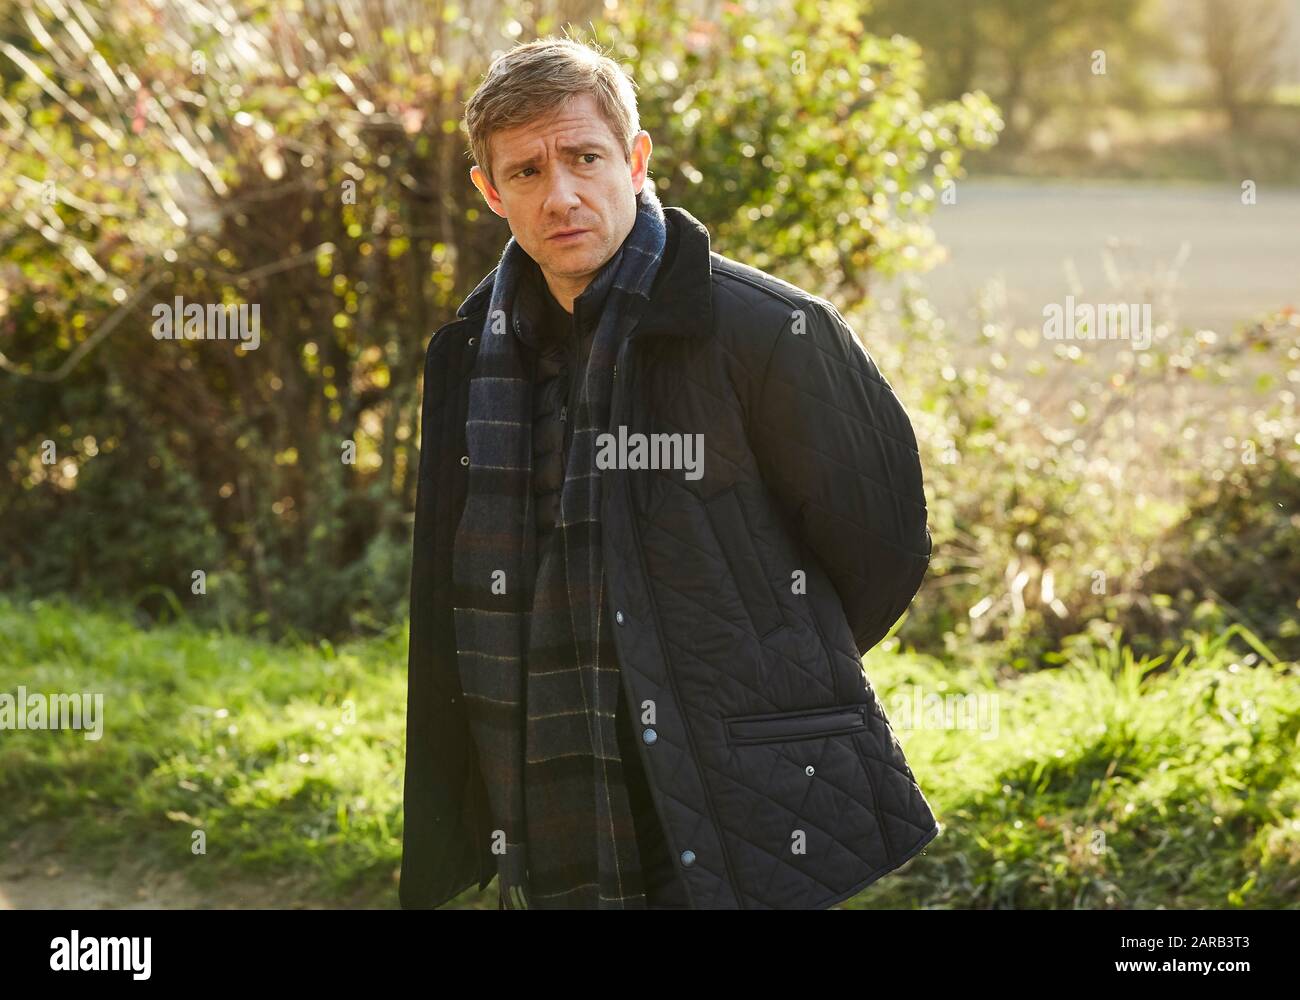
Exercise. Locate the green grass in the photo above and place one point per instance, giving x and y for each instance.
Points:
(253, 743)
(1111, 782)
(1106, 782)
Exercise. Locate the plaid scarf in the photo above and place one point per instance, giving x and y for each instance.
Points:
(537, 660)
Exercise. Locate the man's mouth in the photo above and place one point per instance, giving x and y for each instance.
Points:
(569, 234)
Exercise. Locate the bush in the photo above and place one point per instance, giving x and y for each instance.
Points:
(1070, 485)
(327, 184)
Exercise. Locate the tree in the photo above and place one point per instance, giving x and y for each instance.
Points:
(309, 159)
(1240, 40)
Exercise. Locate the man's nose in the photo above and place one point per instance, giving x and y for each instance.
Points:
(561, 193)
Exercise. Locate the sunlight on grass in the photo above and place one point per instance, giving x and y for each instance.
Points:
(283, 755)
(1105, 781)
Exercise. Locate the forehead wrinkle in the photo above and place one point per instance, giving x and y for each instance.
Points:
(591, 143)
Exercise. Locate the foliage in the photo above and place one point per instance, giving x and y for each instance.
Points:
(1234, 557)
(308, 160)
(804, 141)
(1082, 485)
(1031, 55)
(1113, 781)
(286, 756)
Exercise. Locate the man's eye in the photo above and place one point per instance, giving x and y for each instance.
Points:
(526, 169)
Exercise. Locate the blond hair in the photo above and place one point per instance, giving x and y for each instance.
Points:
(535, 78)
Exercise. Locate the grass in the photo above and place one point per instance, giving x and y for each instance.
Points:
(288, 758)
(1101, 782)
(1110, 782)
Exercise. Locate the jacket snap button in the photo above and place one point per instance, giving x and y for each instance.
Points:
(649, 736)
(464, 460)
(471, 340)
(688, 858)
(618, 617)
(808, 770)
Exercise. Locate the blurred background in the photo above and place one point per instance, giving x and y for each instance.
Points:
(1096, 685)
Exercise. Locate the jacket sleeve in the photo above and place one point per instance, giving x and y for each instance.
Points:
(444, 846)
(836, 449)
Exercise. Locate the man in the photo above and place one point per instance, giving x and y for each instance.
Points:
(666, 502)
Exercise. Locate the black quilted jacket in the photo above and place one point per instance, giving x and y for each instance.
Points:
(744, 599)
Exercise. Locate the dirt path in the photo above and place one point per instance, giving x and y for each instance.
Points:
(35, 873)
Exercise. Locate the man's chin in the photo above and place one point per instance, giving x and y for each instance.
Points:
(571, 265)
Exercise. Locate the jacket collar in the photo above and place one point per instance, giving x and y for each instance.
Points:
(681, 299)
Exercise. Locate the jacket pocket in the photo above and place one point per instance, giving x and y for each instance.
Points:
(731, 528)
(783, 727)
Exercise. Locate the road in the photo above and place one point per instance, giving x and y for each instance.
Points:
(1238, 259)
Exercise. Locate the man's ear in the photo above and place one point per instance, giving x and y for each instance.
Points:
(489, 193)
(639, 159)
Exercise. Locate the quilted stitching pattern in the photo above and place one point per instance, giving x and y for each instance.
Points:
(822, 439)
(822, 462)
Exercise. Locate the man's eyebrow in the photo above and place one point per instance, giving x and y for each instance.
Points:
(581, 146)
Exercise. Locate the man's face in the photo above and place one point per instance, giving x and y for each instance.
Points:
(564, 172)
